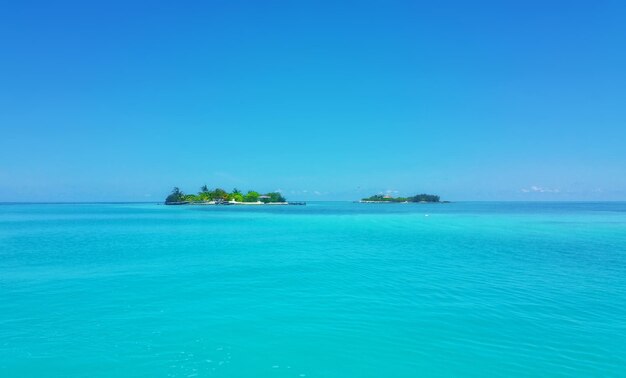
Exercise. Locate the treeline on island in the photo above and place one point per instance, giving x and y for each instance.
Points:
(415, 198)
(220, 195)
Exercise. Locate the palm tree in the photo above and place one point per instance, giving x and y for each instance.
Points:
(176, 196)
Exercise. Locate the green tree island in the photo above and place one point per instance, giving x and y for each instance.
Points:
(379, 198)
(220, 196)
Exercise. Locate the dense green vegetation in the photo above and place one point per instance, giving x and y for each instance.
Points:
(220, 195)
(175, 196)
(415, 198)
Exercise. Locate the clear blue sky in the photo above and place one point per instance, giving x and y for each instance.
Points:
(499, 100)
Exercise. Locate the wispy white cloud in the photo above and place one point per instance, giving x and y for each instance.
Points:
(539, 189)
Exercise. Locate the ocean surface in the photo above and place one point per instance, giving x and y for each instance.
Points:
(324, 290)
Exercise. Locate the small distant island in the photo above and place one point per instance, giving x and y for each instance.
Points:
(419, 198)
(219, 196)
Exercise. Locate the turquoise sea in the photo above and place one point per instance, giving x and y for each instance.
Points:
(324, 290)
